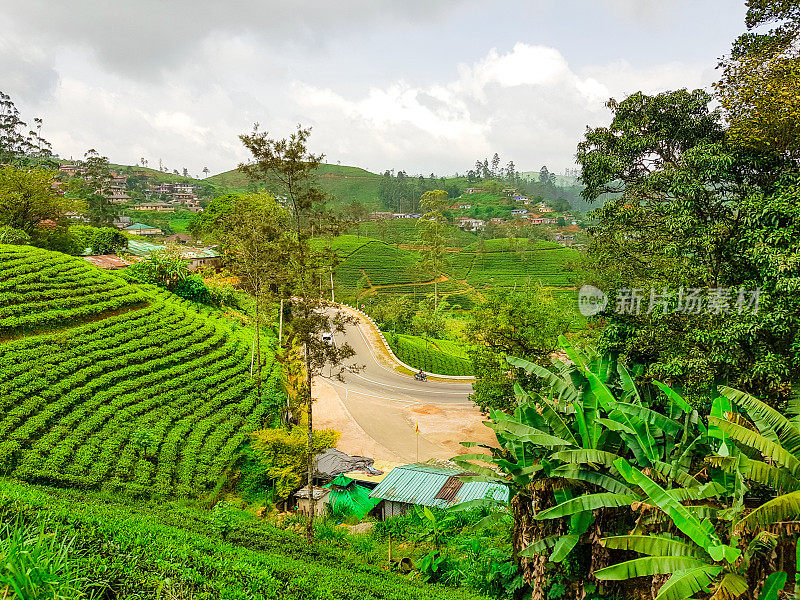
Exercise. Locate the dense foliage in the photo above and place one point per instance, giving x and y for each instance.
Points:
(431, 355)
(600, 469)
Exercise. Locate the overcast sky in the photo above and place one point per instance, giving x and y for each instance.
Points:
(420, 85)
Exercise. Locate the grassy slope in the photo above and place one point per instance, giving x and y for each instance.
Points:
(137, 551)
(74, 395)
(345, 184)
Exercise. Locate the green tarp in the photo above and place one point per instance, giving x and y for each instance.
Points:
(349, 498)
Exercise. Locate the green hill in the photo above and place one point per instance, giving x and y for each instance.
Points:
(105, 382)
(345, 184)
(380, 263)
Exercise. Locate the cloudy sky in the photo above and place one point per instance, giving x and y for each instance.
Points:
(420, 85)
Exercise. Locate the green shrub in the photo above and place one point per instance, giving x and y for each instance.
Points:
(9, 235)
(192, 288)
(108, 240)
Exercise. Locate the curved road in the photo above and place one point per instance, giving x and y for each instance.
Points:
(377, 396)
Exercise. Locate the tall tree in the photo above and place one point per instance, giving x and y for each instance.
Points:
(27, 198)
(94, 189)
(434, 231)
(288, 169)
(495, 164)
(692, 211)
(758, 87)
(256, 240)
(15, 143)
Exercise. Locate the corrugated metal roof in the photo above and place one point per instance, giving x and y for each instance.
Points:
(138, 248)
(420, 483)
(107, 261)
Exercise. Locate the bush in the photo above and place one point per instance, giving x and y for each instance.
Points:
(108, 240)
(192, 288)
(9, 235)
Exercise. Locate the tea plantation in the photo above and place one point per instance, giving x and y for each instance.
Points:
(102, 382)
(380, 263)
(435, 356)
(138, 551)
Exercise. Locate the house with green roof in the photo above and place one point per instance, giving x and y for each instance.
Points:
(436, 484)
(142, 229)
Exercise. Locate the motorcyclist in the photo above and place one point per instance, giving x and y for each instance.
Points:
(421, 375)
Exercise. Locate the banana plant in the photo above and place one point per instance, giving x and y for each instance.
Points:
(767, 445)
(700, 560)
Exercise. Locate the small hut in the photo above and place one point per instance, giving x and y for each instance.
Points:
(347, 498)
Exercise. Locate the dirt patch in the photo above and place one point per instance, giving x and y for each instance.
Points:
(449, 426)
(427, 410)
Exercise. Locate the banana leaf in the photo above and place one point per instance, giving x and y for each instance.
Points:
(758, 442)
(782, 508)
(684, 520)
(684, 584)
(586, 502)
(649, 565)
(767, 419)
(654, 545)
(586, 456)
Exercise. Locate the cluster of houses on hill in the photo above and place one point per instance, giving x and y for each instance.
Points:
(174, 195)
(171, 196)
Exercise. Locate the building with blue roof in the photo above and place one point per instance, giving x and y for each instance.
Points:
(432, 484)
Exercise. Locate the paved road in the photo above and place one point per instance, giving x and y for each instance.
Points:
(378, 396)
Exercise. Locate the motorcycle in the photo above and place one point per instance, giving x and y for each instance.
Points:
(420, 377)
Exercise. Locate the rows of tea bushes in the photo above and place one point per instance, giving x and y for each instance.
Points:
(156, 399)
(382, 264)
(434, 356)
(39, 288)
(142, 550)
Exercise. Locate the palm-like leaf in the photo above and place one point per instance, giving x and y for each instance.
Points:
(766, 418)
(650, 416)
(772, 585)
(586, 456)
(649, 565)
(684, 584)
(782, 508)
(629, 391)
(597, 478)
(730, 587)
(563, 390)
(586, 502)
(654, 545)
(674, 397)
(683, 518)
(755, 440)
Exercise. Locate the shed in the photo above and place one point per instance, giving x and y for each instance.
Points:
(320, 498)
(346, 497)
(435, 485)
(107, 261)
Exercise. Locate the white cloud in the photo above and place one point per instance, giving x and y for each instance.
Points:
(526, 104)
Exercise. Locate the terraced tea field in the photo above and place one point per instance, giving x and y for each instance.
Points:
(434, 356)
(382, 264)
(507, 269)
(155, 398)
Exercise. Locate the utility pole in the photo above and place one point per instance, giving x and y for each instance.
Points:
(280, 326)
